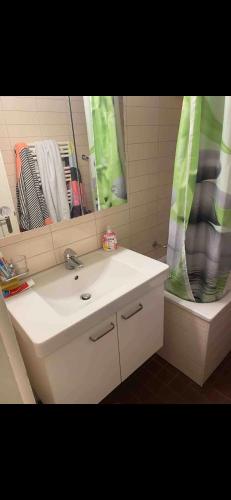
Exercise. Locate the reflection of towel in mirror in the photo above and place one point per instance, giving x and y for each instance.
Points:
(53, 179)
(32, 208)
(78, 199)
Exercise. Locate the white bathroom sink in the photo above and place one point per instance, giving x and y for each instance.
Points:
(62, 289)
(47, 312)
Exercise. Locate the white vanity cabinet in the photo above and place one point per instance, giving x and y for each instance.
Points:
(140, 330)
(82, 371)
(87, 369)
(78, 351)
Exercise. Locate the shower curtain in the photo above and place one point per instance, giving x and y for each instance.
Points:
(108, 181)
(199, 245)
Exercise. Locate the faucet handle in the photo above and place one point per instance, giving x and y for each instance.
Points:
(71, 259)
(68, 258)
(68, 253)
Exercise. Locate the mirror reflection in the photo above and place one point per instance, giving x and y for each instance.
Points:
(61, 157)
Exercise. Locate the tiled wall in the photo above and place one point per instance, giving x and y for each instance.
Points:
(28, 119)
(151, 125)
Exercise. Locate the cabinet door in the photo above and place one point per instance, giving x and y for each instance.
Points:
(140, 330)
(87, 369)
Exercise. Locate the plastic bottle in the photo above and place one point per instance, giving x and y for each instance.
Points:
(109, 240)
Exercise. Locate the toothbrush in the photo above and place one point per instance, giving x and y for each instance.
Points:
(3, 271)
(3, 263)
(9, 269)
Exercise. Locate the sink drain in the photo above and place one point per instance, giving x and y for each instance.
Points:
(85, 296)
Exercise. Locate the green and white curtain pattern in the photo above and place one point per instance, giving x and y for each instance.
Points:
(108, 180)
(199, 246)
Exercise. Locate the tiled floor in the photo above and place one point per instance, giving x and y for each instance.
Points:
(158, 382)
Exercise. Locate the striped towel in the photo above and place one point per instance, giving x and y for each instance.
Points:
(32, 208)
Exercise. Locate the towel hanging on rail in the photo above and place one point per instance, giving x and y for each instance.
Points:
(74, 185)
(53, 179)
(31, 205)
(78, 198)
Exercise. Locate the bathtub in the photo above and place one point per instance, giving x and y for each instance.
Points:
(197, 337)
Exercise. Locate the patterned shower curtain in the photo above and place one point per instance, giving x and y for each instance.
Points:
(108, 180)
(199, 246)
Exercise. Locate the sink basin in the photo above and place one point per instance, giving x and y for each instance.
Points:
(52, 311)
(62, 289)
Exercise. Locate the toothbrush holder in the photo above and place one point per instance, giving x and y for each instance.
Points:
(19, 268)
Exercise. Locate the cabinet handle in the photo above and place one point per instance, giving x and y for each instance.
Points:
(133, 314)
(94, 339)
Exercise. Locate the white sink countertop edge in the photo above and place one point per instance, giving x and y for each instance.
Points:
(49, 323)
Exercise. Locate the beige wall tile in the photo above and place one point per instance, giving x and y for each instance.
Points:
(139, 168)
(169, 116)
(142, 197)
(55, 131)
(142, 151)
(18, 103)
(27, 235)
(125, 242)
(137, 213)
(142, 133)
(82, 140)
(8, 156)
(58, 105)
(114, 221)
(170, 101)
(2, 117)
(149, 221)
(23, 131)
(73, 234)
(77, 105)
(4, 143)
(41, 262)
(143, 100)
(142, 116)
(3, 132)
(53, 118)
(21, 117)
(111, 211)
(167, 148)
(79, 118)
(168, 133)
(141, 183)
(30, 247)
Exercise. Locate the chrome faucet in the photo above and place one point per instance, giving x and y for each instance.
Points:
(71, 259)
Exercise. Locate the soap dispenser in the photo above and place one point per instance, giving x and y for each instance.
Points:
(109, 240)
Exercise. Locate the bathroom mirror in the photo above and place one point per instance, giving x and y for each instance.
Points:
(61, 157)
